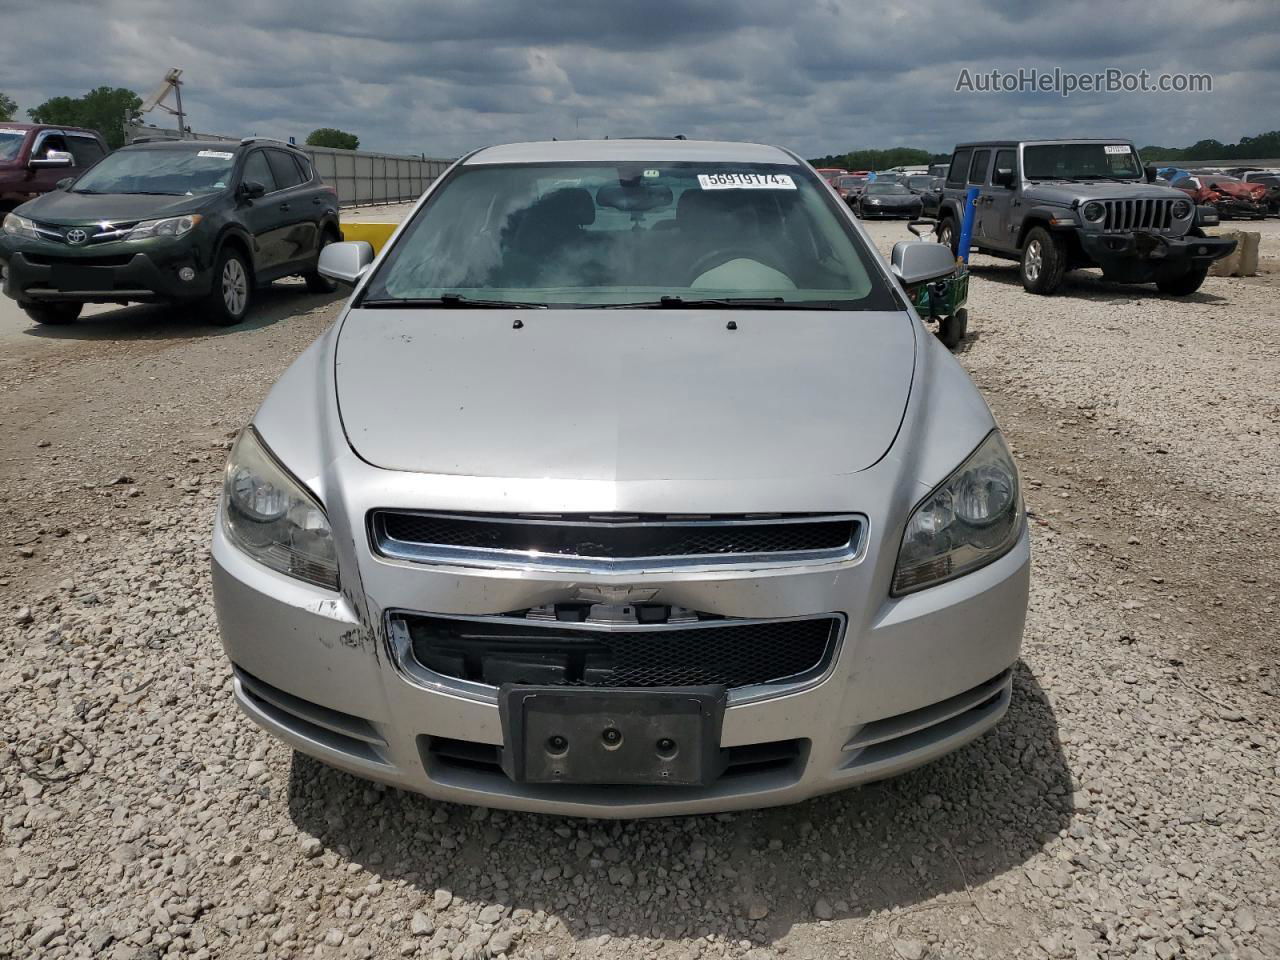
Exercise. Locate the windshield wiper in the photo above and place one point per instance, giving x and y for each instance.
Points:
(85, 191)
(713, 303)
(152, 193)
(455, 301)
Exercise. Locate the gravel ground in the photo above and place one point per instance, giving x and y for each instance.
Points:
(1127, 807)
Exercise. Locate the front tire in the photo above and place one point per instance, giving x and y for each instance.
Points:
(1044, 261)
(228, 301)
(1184, 284)
(53, 314)
(948, 235)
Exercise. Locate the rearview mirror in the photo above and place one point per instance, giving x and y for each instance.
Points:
(252, 189)
(917, 262)
(1003, 177)
(345, 262)
(54, 158)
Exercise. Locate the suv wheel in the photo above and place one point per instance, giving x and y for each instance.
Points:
(947, 234)
(229, 299)
(55, 314)
(315, 282)
(1044, 261)
(1184, 284)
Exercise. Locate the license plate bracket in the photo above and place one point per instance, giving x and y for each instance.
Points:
(73, 279)
(619, 736)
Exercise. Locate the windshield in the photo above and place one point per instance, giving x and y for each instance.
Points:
(848, 182)
(168, 171)
(584, 235)
(10, 144)
(919, 183)
(1080, 161)
(880, 188)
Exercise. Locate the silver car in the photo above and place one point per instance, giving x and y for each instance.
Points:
(628, 483)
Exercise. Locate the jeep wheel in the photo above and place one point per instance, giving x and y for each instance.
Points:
(1185, 284)
(54, 314)
(228, 301)
(1044, 261)
(947, 234)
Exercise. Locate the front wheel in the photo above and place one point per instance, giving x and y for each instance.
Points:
(947, 234)
(228, 301)
(1184, 284)
(53, 314)
(1044, 261)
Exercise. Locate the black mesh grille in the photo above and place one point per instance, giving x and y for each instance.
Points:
(510, 650)
(620, 537)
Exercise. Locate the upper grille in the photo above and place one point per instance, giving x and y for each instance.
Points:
(736, 653)
(1148, 214)
(584, 541)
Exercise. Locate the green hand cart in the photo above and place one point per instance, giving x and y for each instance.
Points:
(943, 300)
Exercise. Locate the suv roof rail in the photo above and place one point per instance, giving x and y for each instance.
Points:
(267, 140)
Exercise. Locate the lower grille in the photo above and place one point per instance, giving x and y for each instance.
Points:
(42, 260)
(612, 541)
(1149, 214)
(736, 653)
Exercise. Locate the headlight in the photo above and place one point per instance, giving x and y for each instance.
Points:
(971, 519)
(169, 227)
(1181, 209)
(1094, 211)
(16, 226)
(271, 516)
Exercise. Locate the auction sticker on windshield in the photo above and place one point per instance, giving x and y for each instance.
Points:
(745, 181)
(1118, 148)
(215, 154)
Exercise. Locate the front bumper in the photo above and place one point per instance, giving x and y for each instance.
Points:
(914, 678)
(1150, 253)
(105, 275)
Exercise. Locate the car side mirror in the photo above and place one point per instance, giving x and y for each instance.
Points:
(345, 262)
(54, 158)
(916, 262)
(1150, 173)
(1003, 177)
(65, 183)
(252, 189)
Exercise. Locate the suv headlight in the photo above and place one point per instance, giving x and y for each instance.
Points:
(972, 518)
(1181, 209)
(270, 515)
(1094, 211)
(16, 226)
(169, 227)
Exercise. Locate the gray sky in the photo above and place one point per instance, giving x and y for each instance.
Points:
(442, 77)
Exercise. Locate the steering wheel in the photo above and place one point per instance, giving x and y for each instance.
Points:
(722, 255)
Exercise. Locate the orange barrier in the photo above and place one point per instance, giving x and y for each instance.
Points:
(376, 234)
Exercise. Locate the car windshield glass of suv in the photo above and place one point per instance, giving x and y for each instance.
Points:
(1080, 161)
(879, 189)
(644, 234)
(10, 143)
(849, 182)
(177, 172)
(919, 183)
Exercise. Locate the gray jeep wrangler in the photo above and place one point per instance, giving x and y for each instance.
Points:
(1056, 205)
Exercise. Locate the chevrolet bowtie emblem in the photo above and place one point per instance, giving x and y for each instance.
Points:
(602, 593)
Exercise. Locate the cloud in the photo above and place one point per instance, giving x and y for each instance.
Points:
(441, 78)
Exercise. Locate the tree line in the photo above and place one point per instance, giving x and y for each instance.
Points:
(108, 109)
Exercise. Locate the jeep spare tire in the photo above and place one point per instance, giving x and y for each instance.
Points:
(1044, 261)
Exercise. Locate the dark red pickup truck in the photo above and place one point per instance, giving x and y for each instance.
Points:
(35, 156)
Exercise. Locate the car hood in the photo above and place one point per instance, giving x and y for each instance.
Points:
(1067, 191)
(623, 394)
(63, 207)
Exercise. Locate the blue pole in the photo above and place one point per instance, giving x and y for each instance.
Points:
(966, 224)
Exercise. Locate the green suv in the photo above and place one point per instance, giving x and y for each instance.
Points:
(199, 222)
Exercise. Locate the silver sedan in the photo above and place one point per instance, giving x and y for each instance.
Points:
(628, 483)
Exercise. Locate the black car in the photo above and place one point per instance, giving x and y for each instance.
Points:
(201, 222)
(881, 199)
(929, 190)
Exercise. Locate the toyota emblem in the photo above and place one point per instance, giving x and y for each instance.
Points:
(77, 236)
